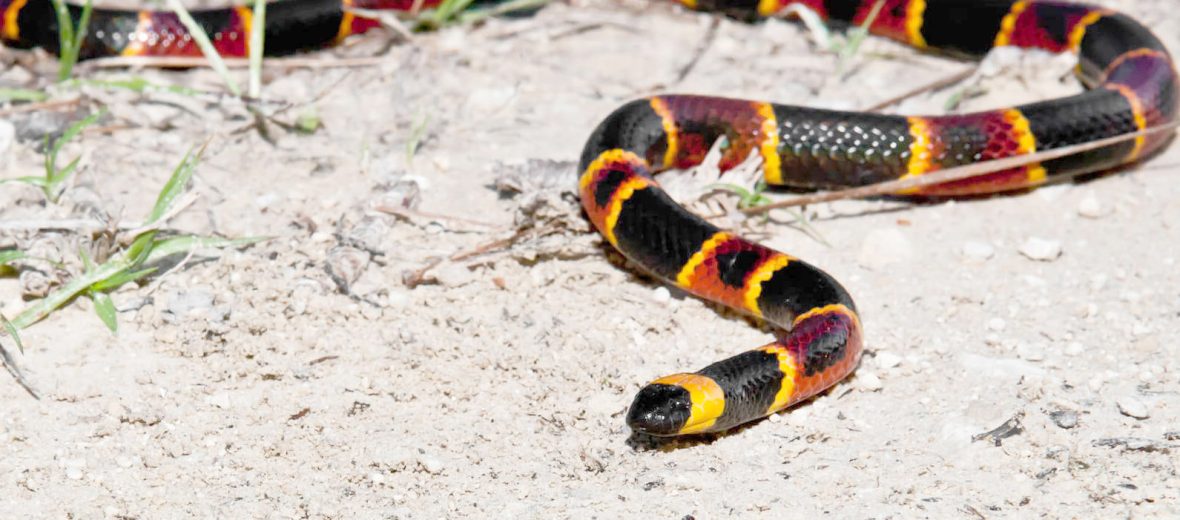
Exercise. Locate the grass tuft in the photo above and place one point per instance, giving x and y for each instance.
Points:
(417, 132)
(257, 40)
(9, 362)
(70, 37)
(747, 198)
(857, 35)
(52, 184)
(754, 198)
(130, 264)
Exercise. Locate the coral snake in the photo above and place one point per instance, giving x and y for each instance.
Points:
(1132, 86)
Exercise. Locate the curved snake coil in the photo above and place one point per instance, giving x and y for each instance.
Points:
(819, 339)
(1133, 86)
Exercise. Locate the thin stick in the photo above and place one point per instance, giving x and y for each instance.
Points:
(957, 173)
(929, 87)
(386, 19)
(409, 213)
(42, 225)
(699, 51)
(415, 278)
(80, 225)
(44, 105)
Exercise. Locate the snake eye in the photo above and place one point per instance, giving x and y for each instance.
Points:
(660, 410)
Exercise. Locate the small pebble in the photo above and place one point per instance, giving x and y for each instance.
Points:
(1140, 329)
(73, 467)
(490, 99)
(868, 381)
(454, 275)
(346, 265)
(219, 400)
(887, 359)
(1065, 419)
(191, 301)
(661, 295)
(1029, 352)
(1132, 407)
(996, 324)
(1040, 249)
(430, 464)
(1074, 349)
(1098, 282)
(266, 200)
(885, 247)
(978, 251)
(1091, 207)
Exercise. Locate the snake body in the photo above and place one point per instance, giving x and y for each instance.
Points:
(819, 338)
(291, 26)
(1132, 84)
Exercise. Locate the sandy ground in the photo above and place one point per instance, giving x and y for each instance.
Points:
(304, 378)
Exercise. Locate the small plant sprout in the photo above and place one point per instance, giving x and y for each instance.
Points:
(70, 37)
(747, 198)
(9, 361)
(52, 184)
(131, 264)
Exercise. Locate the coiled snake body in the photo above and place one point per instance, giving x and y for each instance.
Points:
(1133, 86)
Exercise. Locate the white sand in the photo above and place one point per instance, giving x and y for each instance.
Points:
(248, 386)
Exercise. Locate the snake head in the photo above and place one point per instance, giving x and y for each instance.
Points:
(677, 405)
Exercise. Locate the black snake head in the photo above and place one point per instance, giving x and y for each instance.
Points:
(660, 410)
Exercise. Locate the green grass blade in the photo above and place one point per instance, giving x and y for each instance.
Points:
(184, 244)
(76, 129)
(61, 175)
(8, 256)
(79, 37)
(308, 122)
(206, 46)
(20, 94)
(510, 6)
(54, 177)
(8, 326)
(35, 181)
(124, 277)
(39, 309)
(136, 84)
(813, 22)
(417, 132)
(740, 191)
(257, 40)
(105, 308)
(176, 185)
(9, 362)
(87, 263)
(70, 37)
(65, 35)
(445, 13)
(140, 248)
(857, 35)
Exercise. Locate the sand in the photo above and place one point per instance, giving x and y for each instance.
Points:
(347, 368)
